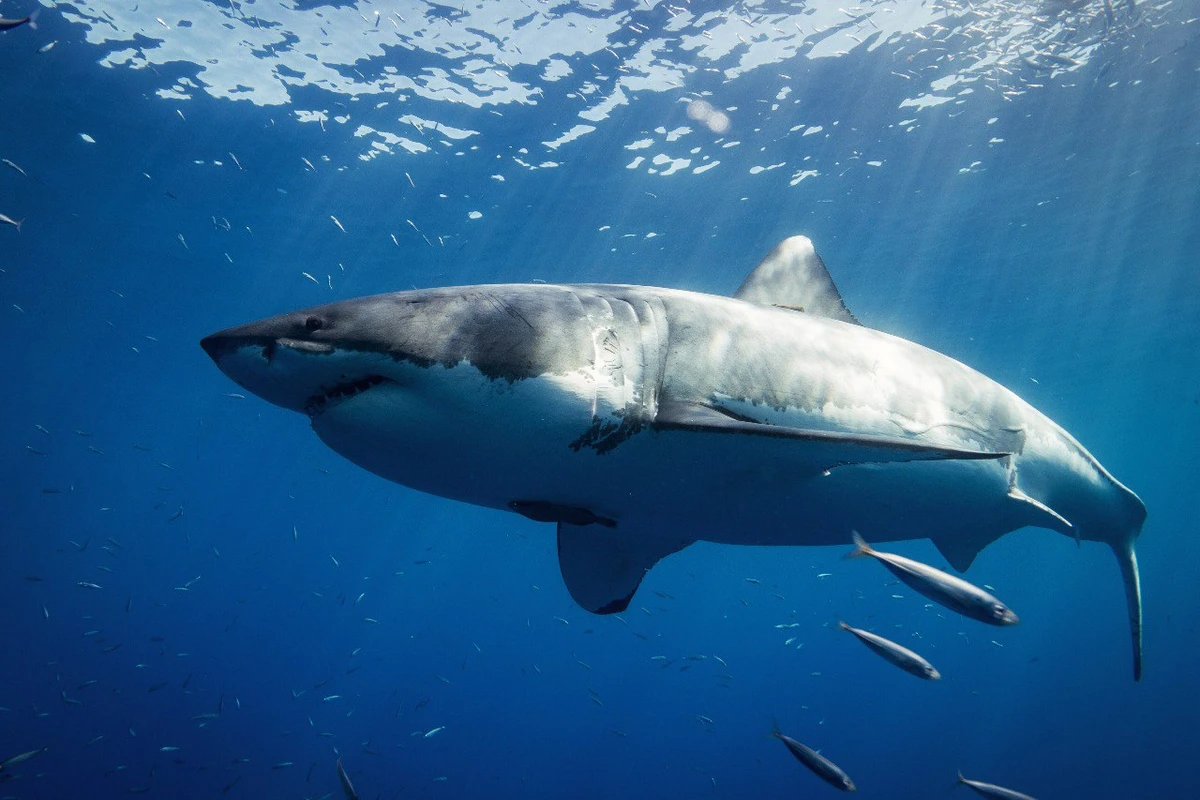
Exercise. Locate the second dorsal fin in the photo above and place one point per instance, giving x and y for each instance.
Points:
(794, 276)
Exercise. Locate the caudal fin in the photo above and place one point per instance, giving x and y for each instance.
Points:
(1127, 559)
(33, 23)
(861, 548)
(775, 732)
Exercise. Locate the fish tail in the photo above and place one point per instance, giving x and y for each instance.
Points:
(18, 225)
(842, 624)
(1127, 559)
(961, 779)
(775, 732)
(861, 548)
(33, 24)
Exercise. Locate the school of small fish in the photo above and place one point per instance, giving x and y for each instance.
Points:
(943, 588)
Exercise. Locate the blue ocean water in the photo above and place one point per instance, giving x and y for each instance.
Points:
(202, 600)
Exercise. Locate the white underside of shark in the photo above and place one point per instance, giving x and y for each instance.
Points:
(641, 419)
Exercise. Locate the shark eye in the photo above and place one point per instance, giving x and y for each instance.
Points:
(313, 323)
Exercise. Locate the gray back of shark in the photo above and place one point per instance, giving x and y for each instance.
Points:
(640, 419)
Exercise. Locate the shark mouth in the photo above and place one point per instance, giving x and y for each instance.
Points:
(328, 398)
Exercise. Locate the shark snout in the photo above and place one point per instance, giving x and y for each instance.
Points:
(276, 361)
(217, 346)
(264, 333)
(248, 359)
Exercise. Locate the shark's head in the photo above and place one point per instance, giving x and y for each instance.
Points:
(315, 360)
(409, 385)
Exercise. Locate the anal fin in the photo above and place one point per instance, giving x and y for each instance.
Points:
(603, 567)
(960, 547)
(960, 550)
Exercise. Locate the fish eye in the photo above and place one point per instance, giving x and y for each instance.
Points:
(313, 323)
(998, 610)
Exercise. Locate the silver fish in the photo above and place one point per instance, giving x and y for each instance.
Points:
(9, 24)
(825, 769)
(991, 790)
(21, 758)
(952, 592)
(347, 787)
(901, 656)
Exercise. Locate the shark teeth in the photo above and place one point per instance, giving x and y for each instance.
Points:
(327, 398)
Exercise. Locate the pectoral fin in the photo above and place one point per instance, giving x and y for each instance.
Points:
(541, 511)
(826, 449)
(603, 567)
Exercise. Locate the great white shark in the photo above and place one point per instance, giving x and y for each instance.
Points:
(641, 419)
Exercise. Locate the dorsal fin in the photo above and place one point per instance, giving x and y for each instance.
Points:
(794, 276)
